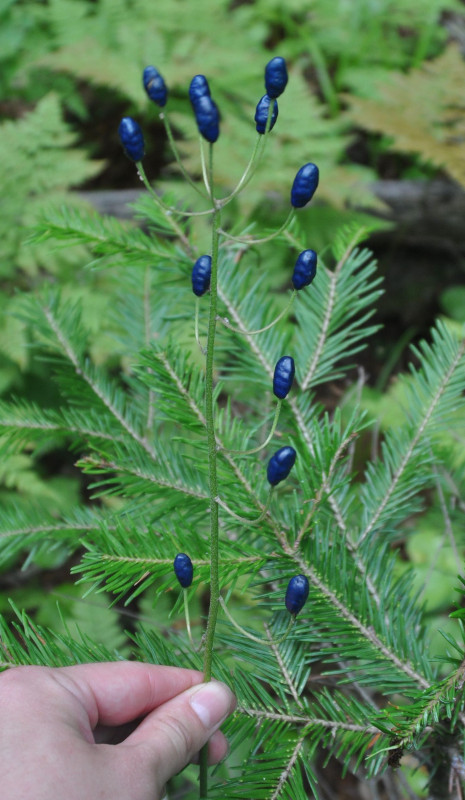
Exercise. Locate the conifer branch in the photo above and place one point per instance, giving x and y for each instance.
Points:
(447, 521)
(58, 427)
(234, 313)
(334, 276)
(351, 548)
(200, 416)
(308, 722)
(288, 769)
(413, 444)
(92, 462)
(57, 528)
(169, 561)
(98, 391)
(430, 707)
(285, 673)
(325, 489)
(368, 633)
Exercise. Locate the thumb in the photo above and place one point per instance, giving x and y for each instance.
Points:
(173, 734)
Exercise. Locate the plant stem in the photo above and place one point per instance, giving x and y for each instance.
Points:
(269, 642)
(247, 240)
(212, 475)
(267, 440)
(188, 619)
(169, 133)
(167, 212)
(227, 324)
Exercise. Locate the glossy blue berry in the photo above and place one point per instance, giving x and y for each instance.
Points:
(201, 274)
(198, 88)
(284, 372)
(183, 570)
(280, 465)
(261, 114)
(304, 269)
(155, 86)
(207, 117)
(275, 76)
(305, 185)
(131, 138)
(296, 594)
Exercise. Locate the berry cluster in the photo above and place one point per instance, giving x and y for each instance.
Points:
(303, 188)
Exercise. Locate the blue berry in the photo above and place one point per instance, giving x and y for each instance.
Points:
(207, 117)
(304, 269)
(198, 88)
(183, 570)
(261, 114)
(305, 185)
(280, 465)
(284, 372)
(155, 86)
(131, 138)
(275, 76)
(296, 594)
(201, 274)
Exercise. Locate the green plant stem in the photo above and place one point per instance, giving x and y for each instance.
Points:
(246, 240)
(167, 211)
(206, 180)
(227, 324)
(244, 520)
(268, 438)
(212, 473)
(188, 619)
(169, 133)
(267, 642)
(196, 325)
(256, 157)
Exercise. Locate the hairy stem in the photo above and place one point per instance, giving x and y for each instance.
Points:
(212, 471)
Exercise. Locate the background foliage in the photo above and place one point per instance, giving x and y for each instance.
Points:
(374, 92)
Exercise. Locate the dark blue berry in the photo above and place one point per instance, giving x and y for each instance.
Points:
(284, 372)
(296, 594)
(280, 465)
(261, 113)
(207, 117)
(198, 88)
(131, 138)
(304, 269)
(305, 185)
(183, 570)
(155, 86)
(275, 76)
(201, 274)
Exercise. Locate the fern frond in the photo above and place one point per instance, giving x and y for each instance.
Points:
(422, 112)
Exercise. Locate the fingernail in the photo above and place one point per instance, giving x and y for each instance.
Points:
(212, 702)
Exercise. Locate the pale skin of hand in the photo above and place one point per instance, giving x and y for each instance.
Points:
(54, 722)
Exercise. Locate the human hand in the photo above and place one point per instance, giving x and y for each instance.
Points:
(53, 723)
